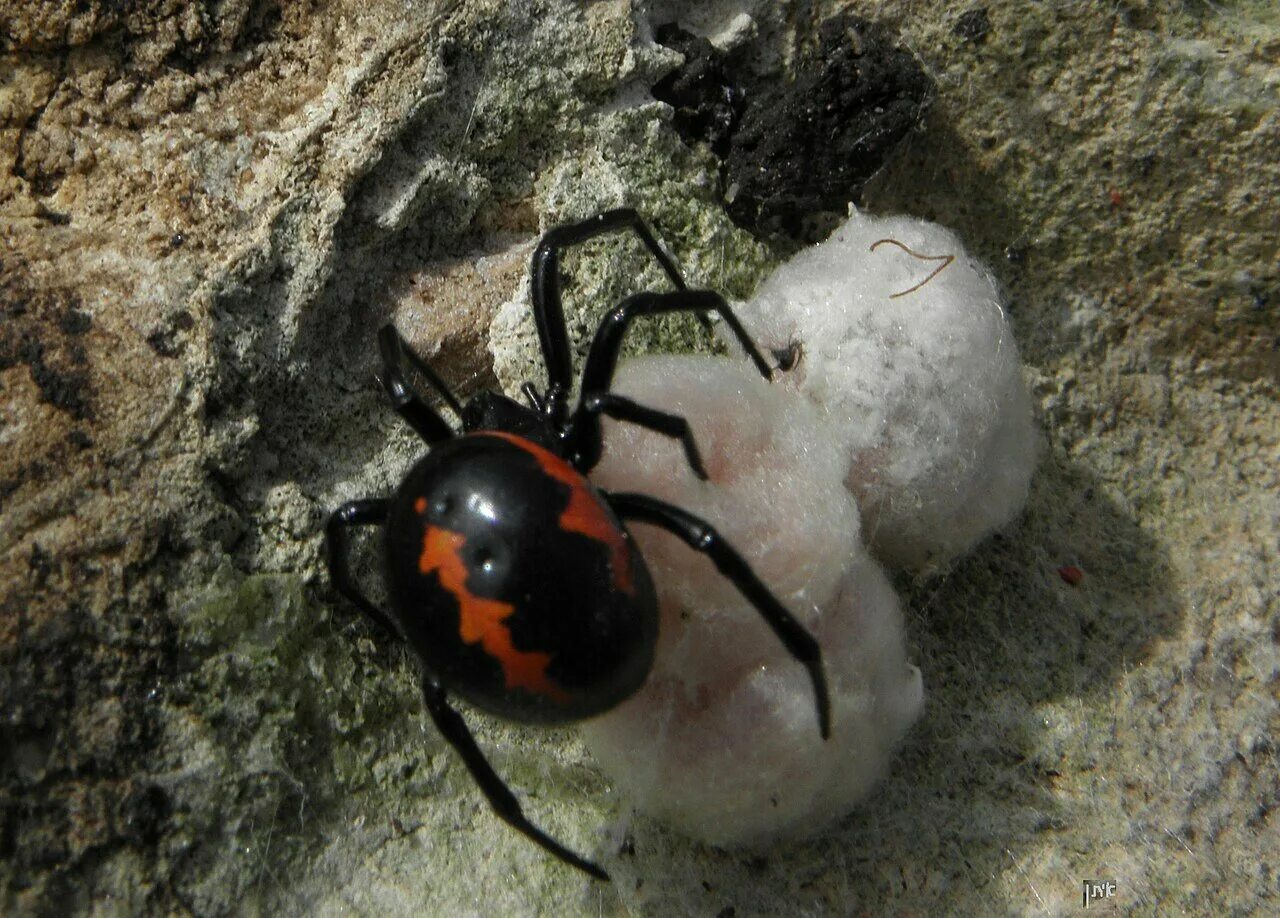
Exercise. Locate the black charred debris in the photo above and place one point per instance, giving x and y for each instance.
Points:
(794, 149)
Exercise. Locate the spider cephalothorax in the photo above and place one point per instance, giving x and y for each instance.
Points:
(511, 576)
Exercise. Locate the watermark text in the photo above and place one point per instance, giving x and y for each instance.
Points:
(1098, 892)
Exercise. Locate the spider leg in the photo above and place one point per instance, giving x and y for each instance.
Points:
(396, 355)
(602, 358)
(671, 425)
(584, 432)
(532, 397)
(701, 537)
(355, 513)
(548, 311)
(454, 729)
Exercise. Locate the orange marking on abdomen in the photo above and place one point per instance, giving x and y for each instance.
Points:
(482, 620)
(584, 514)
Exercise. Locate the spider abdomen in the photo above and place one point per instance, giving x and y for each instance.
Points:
(516, 583)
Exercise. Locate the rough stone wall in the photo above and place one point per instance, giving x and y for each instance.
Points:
(206, 209)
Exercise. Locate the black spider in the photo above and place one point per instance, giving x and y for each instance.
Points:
(510, 575)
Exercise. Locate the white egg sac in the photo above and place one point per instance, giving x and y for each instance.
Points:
(722, 742)
(905, 425)
(918, 375)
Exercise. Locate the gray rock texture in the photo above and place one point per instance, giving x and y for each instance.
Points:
(207, 209)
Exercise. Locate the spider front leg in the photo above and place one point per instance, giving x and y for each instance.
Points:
(584, 434)
(349, 515)
(545, 283)
(701, 537)
(455, 730)
(397, 355)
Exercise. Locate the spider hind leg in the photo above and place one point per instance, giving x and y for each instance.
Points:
(504, 803)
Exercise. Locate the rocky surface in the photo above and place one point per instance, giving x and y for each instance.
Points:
(206, 209)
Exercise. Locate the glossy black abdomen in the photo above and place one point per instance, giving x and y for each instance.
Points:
(516, 583)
